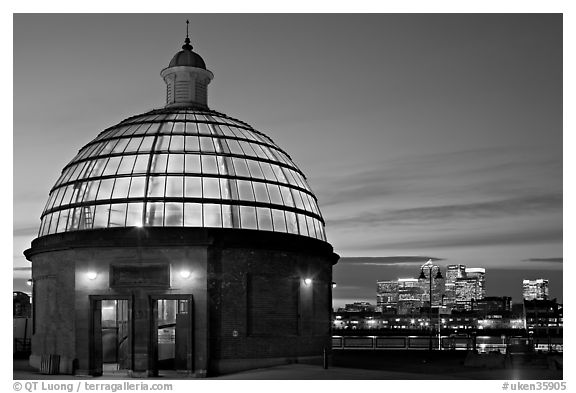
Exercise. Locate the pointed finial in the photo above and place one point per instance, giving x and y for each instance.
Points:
(187, 45)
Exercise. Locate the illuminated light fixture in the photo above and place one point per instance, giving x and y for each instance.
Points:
(185, 273)
(29, 282)
(91, 275)
(333, 284)
(139, 225)
(308, 281)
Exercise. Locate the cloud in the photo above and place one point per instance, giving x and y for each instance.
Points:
(22, 269)
(494, 172)
(550, 260)
(521, 206)
(388, 261)
(26, 231)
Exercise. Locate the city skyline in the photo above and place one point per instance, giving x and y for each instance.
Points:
(423, 136)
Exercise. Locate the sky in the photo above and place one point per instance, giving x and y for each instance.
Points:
(422, 135)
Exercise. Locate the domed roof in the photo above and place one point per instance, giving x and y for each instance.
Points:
(182, 167)
(187, 58)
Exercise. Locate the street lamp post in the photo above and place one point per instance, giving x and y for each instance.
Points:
(423, 277)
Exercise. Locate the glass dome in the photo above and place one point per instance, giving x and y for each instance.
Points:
(182, 167)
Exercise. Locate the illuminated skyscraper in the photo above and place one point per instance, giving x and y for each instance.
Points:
(535, 289)
(387, 295)
(478, 273)
(410, 295)
(453, 272)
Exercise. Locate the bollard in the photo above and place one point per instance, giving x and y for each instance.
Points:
(325, 358)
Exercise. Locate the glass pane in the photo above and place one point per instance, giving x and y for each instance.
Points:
(211, 188)
(279, 174)
(137, 187)
(99, 167)
(100, 219)
(141, 165)
(212, 215)
(133, 145)
(248, 217)
(247, 148)
(241, 167)
(191, 125)
(264, 219)
(297, 199)
(286, 196)
(121, 145)
(223, 163)
(227, 216)
(146, 145)
(174, 216)
(174, 186)
(156, 186)
(112, 166)
(134, 215)
(245, 190)
(193, 187)
(203, 129)
(278, 220)
(192, 163)
(192, 144)
(225, 188)
(105, 190)
(255, 170)
(310, 224)
(206, 145)
(154, 214)
(177, 143)
(117, 215)
(126, 165)
(159, 162)
(121, 188)
(291, 223)
(234, 147)
(274, 191)
(209, 165)
(193, 214)
(162, 143)
(178, 128)
(260, 192)
(165, 128)
(176, 163)
(302, 225)
(91, 190)
(63, 221)
(268, 172)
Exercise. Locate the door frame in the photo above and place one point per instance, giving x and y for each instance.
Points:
(96, 369)
(153, 341)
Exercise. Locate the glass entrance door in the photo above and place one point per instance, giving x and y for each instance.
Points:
(111, 341)
(172, 334)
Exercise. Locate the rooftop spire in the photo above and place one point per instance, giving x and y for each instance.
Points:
(187, 45)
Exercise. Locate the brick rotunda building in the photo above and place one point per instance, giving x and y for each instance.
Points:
(180, 239)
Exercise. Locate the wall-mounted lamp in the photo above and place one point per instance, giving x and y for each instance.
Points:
(307, 281)
(185, 273)
(91, 275)
(333, 284)
(29, 282)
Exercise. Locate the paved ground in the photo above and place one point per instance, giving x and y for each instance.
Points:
(359, 366)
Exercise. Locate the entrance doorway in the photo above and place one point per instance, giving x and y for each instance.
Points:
(172, 333)
(111, 335)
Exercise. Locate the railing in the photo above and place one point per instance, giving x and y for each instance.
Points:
(483, 344)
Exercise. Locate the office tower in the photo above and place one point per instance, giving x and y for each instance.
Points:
(535, 289)
(409, 295)
(387, 295)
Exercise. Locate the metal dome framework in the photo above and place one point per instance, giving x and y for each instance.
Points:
(182, 167)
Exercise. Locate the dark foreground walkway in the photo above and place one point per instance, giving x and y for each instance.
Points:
(364, 366)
